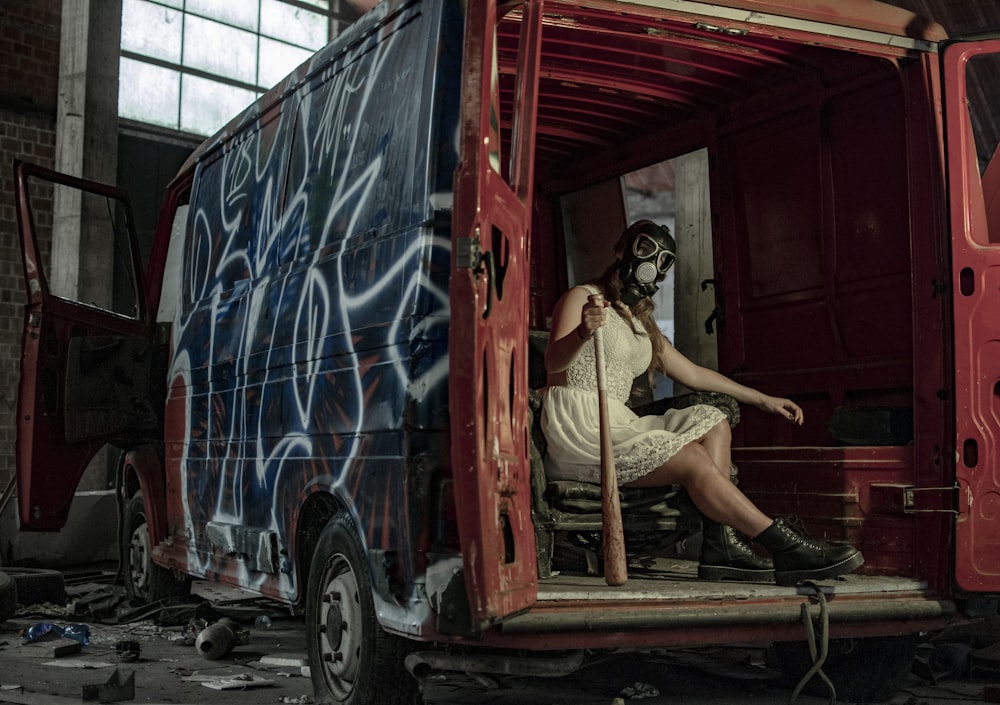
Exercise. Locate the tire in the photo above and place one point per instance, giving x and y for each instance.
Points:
(363, 664)
(36, 586)
(143, 578)
(869, 670)
(8, 597)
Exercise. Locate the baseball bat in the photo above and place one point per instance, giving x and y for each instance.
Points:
(613, 533)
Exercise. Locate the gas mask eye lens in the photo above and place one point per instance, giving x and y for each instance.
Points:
(644, 246)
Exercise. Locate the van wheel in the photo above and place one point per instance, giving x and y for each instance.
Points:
(869, 670)
(352, 660)
(143, 578)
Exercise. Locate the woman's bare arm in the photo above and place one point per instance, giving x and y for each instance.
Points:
(574, 321)
(680, 369)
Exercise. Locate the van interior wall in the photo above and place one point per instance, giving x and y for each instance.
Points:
(811, 244)
(814, 247)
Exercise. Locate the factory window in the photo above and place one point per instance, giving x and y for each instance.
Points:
(191, 65)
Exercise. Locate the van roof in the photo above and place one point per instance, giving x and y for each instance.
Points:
(631, 88)
(612, 69)
(869, 15)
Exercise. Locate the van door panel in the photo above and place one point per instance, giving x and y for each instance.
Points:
(975, 287)
(108, 380)
(488, 336)
(88, 370)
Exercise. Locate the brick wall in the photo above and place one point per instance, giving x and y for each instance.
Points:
(29, 76)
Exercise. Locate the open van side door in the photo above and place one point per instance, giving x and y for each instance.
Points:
(488, 354)
(87, 363)
(974, 198)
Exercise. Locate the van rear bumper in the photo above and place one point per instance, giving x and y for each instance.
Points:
(584, 613)
(914, 609)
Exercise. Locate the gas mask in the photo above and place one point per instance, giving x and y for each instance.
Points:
(648, 255)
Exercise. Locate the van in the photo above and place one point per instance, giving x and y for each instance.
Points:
(324, 378)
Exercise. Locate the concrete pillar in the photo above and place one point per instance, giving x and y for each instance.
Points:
(693, 233)
(86, 143)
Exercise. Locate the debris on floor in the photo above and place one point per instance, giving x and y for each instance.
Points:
(78, 663)
(105, 629)
(985, 661)
(128, 650)
(158, 641)
(282, 661)
(639, 691)
(114, 690)
(217, 640)
(237, 681)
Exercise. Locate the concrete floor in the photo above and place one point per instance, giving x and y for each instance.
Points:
(171, 672)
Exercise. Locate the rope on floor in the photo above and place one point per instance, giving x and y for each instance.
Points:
(818, 653)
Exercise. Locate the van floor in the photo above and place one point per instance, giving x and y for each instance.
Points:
(664, 600)
(674, 578)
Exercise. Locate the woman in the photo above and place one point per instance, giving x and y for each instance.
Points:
(688, 447)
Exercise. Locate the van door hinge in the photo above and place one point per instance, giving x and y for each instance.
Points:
(907, 499)
(468, 253)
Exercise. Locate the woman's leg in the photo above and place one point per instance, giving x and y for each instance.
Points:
(797, 556)
(709, 487)
(718, 442)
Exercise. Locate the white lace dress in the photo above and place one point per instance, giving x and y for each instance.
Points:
(570, 417)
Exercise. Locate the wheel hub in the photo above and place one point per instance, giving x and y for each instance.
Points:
(139, 556)
(334, 620)
(340, 626)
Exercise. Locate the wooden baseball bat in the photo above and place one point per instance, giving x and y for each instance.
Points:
(613, 534)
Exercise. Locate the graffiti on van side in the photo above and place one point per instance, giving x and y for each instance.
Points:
(311, 335)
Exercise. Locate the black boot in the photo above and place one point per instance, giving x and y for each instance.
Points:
(797, 556)
(726, 556)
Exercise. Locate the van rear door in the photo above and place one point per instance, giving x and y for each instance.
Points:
(972, 123)
(86, 363)
(488, 364)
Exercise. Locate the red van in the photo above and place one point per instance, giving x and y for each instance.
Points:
(324, 385)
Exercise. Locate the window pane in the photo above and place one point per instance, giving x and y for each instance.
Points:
(220, 49)
(148, 93)
(277, 60)
(240, 14)
(151, 30)
(103, 276)
(985, 114)
(207, 105)
(218, 37)
(293, 24)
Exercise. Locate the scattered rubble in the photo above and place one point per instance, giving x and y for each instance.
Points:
(114, 690)
(238, 681)
(963, 662)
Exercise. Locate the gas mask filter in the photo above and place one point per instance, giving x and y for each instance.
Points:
(648, 254)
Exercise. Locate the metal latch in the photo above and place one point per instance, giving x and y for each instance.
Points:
(946, 500)
(468, 253)
(907, 499)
